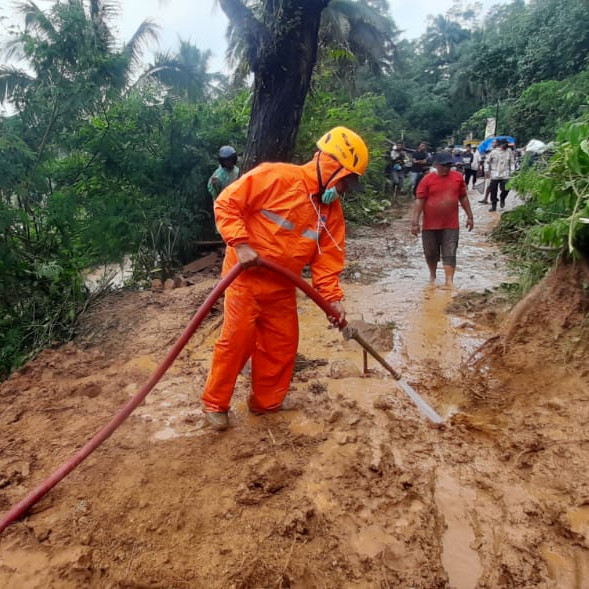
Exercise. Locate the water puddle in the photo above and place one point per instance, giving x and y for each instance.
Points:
(431, 336)
(568, 569)
(371, 541)
(459, 559)
(109, 276)
(301, 425)
(579, 520)
(167, 433)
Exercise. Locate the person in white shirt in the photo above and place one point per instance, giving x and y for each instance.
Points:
(499, 165)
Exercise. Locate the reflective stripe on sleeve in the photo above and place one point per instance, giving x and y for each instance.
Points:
(280, 221)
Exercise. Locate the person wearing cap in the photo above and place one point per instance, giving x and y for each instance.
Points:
(292, 215)
(226, 173)
(438, 197)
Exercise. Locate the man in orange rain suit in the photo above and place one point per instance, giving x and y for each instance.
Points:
(291, 215)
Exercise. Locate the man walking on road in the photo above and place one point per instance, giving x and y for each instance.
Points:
(419, 166)
(499, 165)
(291, 215)
(438, 196)
(470, 166)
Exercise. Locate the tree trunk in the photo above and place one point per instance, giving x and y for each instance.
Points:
(282, 52)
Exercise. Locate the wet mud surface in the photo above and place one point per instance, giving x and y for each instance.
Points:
(352, 487)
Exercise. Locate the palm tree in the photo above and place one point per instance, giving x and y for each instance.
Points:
(72, 49)
(279, 39)
(366, 32)
(442, 37)
(71, 68)
(185, 73)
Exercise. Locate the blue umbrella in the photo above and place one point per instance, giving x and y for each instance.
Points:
(486, 144)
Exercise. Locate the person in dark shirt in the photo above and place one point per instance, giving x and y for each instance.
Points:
(470, 171)
(457, 161)
(419, 165)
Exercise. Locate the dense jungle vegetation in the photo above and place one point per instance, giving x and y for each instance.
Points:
(105, 156)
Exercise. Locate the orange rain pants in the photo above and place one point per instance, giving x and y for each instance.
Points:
(261, 325)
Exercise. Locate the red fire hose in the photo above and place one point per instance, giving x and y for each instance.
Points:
(23, 506)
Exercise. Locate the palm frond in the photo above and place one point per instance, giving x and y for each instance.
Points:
(36, 20)
(362, 31)
(14, 50)
(101, 14)
(146, 33)
(11, 80)
(184, 73)
(358, 12)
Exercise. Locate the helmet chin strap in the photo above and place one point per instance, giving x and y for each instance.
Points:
(322, 186)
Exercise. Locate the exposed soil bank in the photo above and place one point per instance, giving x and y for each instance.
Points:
(354, 488)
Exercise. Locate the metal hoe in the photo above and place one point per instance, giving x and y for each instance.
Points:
(352, 333)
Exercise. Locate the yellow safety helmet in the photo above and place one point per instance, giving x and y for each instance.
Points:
(347, 148)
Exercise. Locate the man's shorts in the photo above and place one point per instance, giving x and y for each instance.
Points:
(440, 241)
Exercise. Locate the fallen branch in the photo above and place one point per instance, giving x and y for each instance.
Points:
(480, 348)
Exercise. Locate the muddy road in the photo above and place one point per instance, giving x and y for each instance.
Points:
(352, 487)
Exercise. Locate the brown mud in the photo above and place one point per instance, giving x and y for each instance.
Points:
(352, 488)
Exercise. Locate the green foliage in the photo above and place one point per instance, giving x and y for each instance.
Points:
(41, 286)
(434, 119)
(132, 181)
(545, 106)
(560, 193)
(91, 176)
(477, 122)
(528, 260)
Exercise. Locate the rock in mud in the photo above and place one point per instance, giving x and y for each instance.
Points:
(344, 369)
(157, 285)
(300, 522)
(317, 388)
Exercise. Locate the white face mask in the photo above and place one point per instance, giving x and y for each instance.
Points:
(329, 195)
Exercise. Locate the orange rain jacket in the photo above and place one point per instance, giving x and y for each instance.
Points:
(271, 208)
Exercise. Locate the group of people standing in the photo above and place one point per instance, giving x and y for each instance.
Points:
(495, 166)
(403, 161)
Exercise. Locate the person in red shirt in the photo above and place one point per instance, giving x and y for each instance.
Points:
(438, 195)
